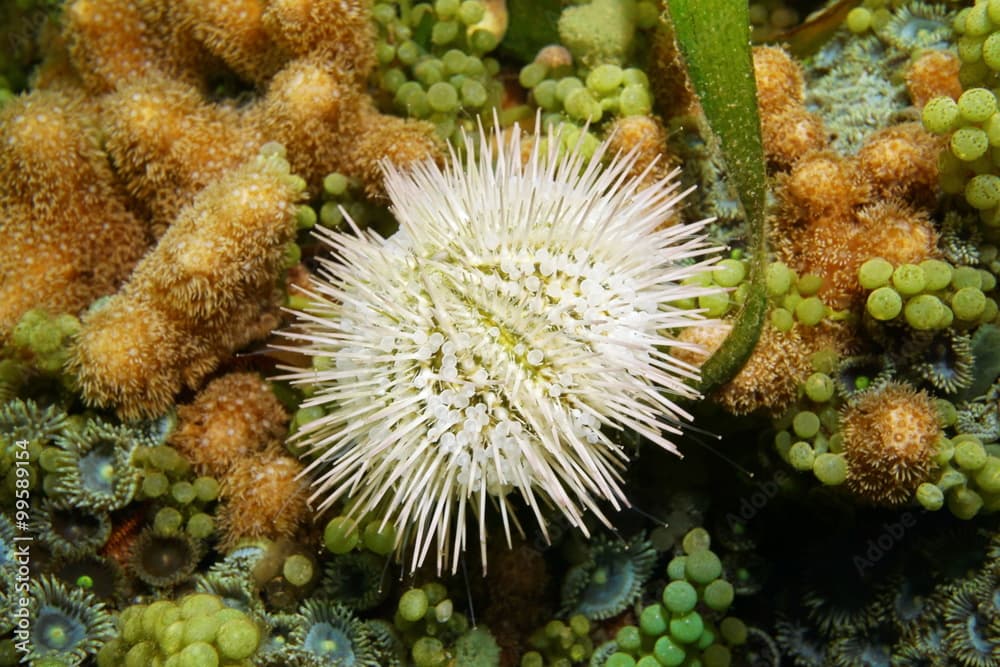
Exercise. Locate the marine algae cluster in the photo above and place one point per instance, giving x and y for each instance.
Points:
(162, 166)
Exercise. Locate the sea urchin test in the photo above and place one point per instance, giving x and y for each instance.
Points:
(523, 313)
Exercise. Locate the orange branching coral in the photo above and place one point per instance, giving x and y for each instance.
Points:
(645, 135)
(932, 74)
(780, 362)
(234, 31)
(115, 41)
(890, 439)
(819, 185)
(197, 297)
(235, 417)
(311, 111)
(398, 140)
(340, 33)
(167, 143)
(780, 81)
(770, 378)
(66, 235)
(672, 90)
(834, 213)
(788, 130)
(902, 161)
(262, 497)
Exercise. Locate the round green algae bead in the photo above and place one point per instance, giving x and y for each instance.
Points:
(778, 278)
(983, 191)
(733, 631)
(198, 654)
(566, 86)
(616, 660)
(200, 525)
(925, 312)
(653, 620)
(805, 424)
(581, 105)
(341, 535)
(930, 497)
(206, 489)
(335, 184)
(991, 52)
(605, 79)
(413, 605)
(977, 21)
(154, 485)
(702, 567)
(305, 217)
(782, 319)
(446, 8)
(532, 74)
(964, 503)
(801, 455)
(884, 304)
(875, 273)
(909, 279)
(968, 303)
(474, 94)
(668, 652)
(714, 305)
(444, 33)
(988, 476)
(201, 629)
(719, 595)
(238, 639)
(819, 387)
(977, 104)
(940, 115)
(809, 284)
(648, 661)
(442, 97)
(183, 492)
(966, 276)
(167, 521)
(635, 100)
(545, 95)
(298, 570)
(859, 20)
(729, 272)
(830, 469)
(970, 454)
(171, 637)
(696, 539)
(142, 654)
(937, 274)
(679, 597)
(629, 639)
(378, 539)
(471, 11)
(676, 566)
(969, 143)
(810, 311)
(687, 628)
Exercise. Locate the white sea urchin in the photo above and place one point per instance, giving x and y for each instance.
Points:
(523, 309)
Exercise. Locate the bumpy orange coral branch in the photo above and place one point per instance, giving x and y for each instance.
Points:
(66, 234)
(201, 294)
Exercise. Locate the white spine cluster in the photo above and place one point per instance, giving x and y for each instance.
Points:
(524, 309)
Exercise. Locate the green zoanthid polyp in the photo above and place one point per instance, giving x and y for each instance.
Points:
(525, 310)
